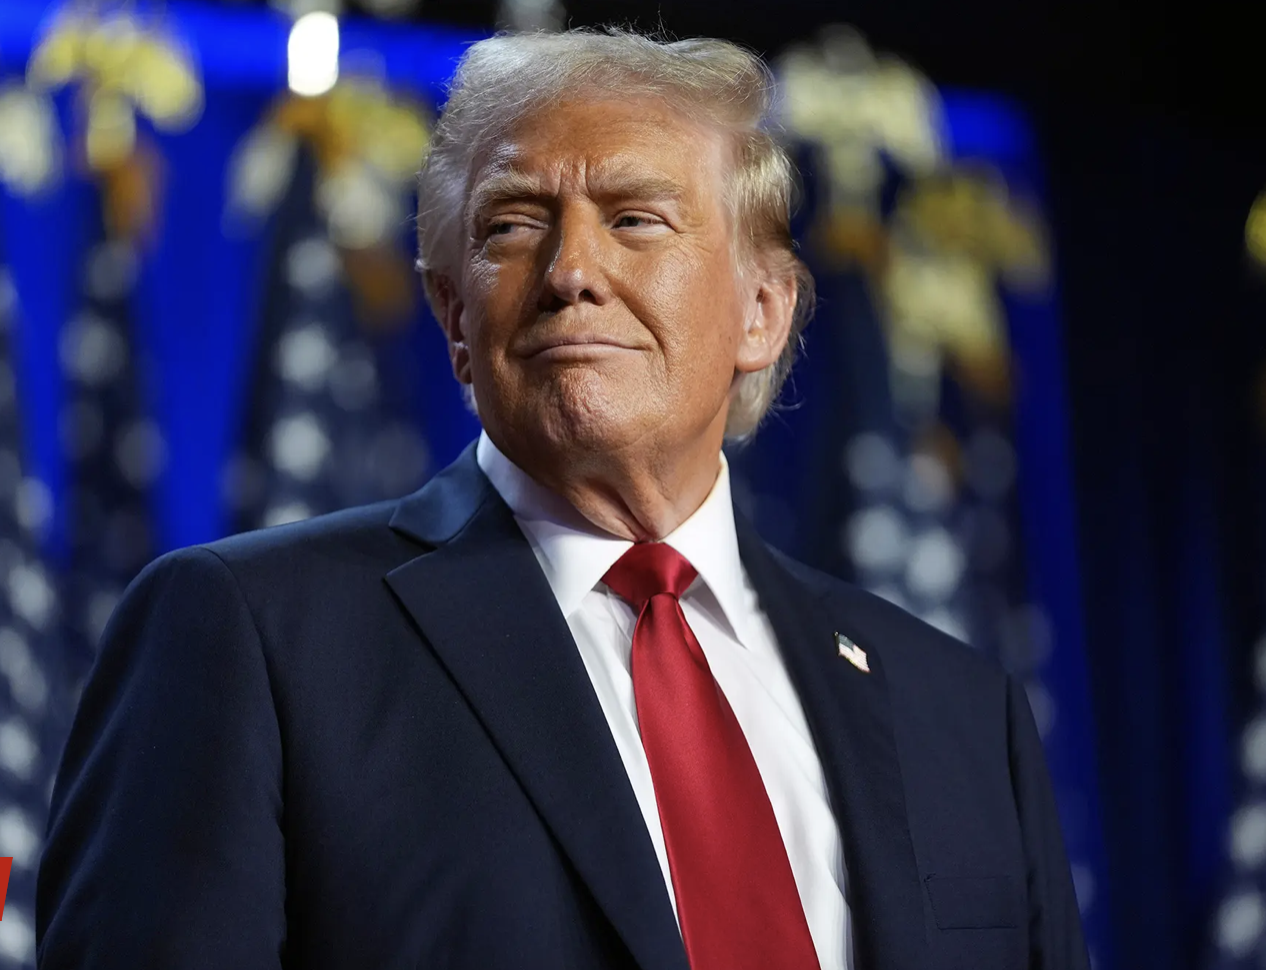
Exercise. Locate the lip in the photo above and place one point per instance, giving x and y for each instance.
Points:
(578, 346)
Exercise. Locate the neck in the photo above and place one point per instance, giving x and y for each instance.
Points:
(629, 494)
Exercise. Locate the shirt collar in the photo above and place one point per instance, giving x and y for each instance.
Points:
(575, 554)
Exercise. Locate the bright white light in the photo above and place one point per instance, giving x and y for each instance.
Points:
(312, 54)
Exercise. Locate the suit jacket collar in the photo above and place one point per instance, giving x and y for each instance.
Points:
(483, 605)
(446, 504)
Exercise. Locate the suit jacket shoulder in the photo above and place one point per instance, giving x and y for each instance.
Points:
(338, 539)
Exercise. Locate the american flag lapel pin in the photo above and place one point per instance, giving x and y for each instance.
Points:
(852, 653)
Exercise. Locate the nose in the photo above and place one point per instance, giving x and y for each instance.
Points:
(577, 271)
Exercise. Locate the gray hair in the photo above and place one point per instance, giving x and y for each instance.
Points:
(501, 79)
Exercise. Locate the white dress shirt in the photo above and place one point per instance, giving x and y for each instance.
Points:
(723, 611)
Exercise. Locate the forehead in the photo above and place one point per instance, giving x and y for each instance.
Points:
(599, 144)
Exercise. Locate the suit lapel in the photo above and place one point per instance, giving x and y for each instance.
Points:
(484, 606)
(850, 715)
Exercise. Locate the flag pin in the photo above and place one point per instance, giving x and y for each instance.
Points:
(852, 653)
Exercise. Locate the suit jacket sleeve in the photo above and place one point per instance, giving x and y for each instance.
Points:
(1054, 921)
(165, 844)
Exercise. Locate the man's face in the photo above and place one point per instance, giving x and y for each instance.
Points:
(600, 299)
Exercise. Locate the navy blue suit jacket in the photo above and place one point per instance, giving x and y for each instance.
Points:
(368, 741)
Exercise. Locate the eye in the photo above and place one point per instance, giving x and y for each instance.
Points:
(504, 224)
(634, 220)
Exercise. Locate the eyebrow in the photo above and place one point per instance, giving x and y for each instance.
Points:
(511, 184)
(507, 185)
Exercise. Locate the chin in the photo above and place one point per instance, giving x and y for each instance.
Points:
(587, 413)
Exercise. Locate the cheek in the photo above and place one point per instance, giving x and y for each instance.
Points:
(490, 299)
(690, 301)
(485, 284)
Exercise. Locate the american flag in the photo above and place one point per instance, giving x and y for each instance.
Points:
(1237, 938)
(331, 421)
(54, 617)
(34, 701)
(1239, 927)
(113, 449)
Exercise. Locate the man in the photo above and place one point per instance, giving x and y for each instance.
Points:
(562, 707)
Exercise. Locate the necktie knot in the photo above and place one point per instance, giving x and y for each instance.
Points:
(648, 569)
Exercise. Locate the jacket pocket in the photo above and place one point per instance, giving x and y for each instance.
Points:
(976, 902)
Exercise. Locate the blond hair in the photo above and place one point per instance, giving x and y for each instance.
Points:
(501, 79)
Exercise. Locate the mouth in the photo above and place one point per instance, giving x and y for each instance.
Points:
(577, 347)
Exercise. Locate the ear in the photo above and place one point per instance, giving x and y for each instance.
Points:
(450, 313)
(772, 305)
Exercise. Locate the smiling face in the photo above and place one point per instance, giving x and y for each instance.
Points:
(601, 306)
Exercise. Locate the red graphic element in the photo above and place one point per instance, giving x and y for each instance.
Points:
(6, 866)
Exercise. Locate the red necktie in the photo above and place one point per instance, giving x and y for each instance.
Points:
(737, 900)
